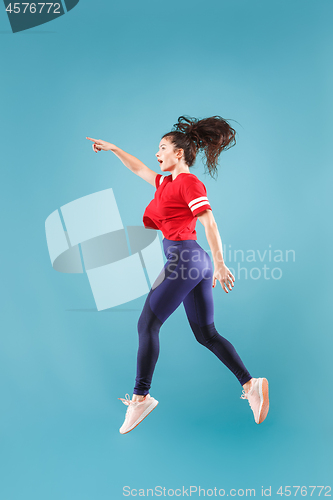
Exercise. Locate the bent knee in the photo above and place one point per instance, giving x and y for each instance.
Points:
(148, 322)
(205, 335)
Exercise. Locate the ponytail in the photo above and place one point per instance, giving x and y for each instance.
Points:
(212, 135)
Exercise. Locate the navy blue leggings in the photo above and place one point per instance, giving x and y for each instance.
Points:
(186, 278)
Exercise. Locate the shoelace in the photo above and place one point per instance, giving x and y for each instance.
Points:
(245, 395)
(127, 401)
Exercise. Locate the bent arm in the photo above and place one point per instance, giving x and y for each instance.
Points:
(135, 165)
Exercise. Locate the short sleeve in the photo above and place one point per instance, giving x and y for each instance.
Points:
(158, 180)
(195, 195)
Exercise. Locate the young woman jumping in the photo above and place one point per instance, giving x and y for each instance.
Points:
(188, 275)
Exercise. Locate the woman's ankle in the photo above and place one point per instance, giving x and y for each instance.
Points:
(138, 397)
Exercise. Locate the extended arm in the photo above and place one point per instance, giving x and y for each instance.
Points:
(131, 162)
(221, 272)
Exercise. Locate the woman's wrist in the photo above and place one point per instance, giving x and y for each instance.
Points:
(113, 148)
(218, 260)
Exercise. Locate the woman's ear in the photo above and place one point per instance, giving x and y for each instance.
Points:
(179, 153)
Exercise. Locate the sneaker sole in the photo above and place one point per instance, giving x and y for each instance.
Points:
(263, 390)
(143, 416)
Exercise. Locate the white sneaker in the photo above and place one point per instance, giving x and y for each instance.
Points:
(136, 411)
(258, 399)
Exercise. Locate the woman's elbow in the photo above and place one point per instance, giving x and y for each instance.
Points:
(207, 219)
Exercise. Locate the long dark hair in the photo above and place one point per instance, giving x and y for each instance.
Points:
(212, 135)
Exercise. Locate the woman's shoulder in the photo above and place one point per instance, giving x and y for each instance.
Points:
(162, 178)
(190, 179)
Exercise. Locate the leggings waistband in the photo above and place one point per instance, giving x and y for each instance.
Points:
(172, 246)
(180, 243)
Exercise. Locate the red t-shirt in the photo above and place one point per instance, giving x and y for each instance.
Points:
(176, 205)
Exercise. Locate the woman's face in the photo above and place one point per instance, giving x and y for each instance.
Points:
(167, 156)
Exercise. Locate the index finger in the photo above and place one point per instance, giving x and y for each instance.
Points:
(94, 140)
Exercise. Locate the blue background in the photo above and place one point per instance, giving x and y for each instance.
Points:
(124, 72)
